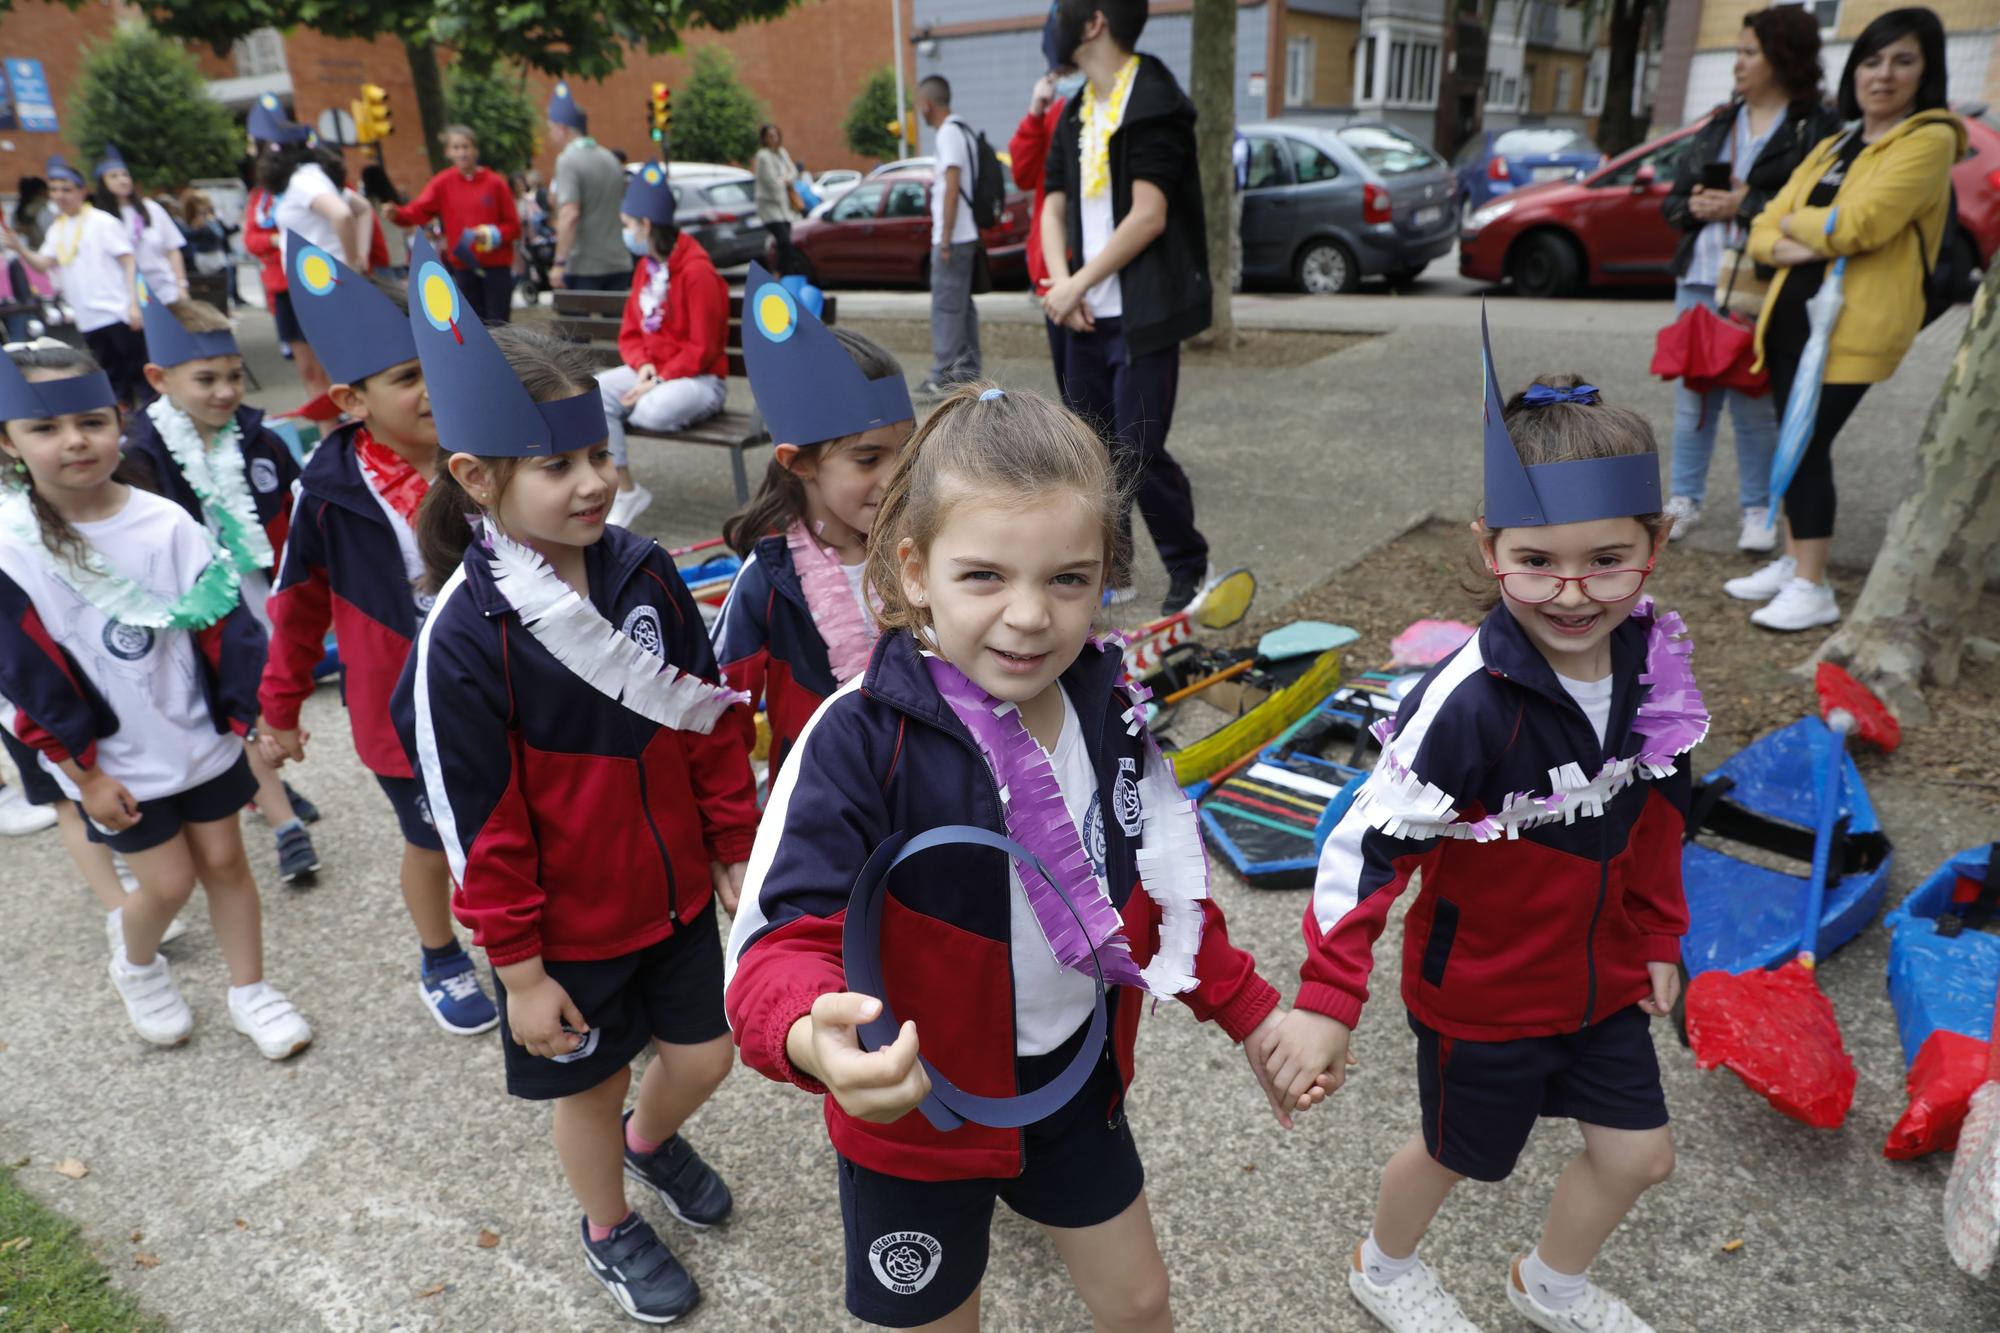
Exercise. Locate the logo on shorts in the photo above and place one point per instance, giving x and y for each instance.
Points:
(1125, 797)
(643, 628)
(264, 475)
(127, 643)
(905, 1261)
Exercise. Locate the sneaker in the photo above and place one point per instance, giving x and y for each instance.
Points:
(114, 930)
(930, 389)
(640, 1272)
(263, 1014)
(1758, 533)
(307, 812)
(152, 1001)
(1765, 583)
(17, 817)
(1416, 1302)
(688, 1186)
(452, 993)
(1187, 594)
(1800, 604)
(1685, 513)
(296, 858)
(628, 505)
(126, 879)
(1596, 1311)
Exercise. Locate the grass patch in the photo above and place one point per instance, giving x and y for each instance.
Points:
(53, 1281)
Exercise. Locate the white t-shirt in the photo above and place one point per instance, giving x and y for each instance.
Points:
(166, 742)
(92, 280)
(151, 245)
(1106, 300)
(954, 149)
(295, 211)
(1594, 697)
(1052, 1001)
(857, 583)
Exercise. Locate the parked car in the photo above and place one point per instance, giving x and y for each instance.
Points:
(835, 181)
(1498, 162)
(903, 164)
(1559, 237)
(1324, 208)
(721, 213)
(879, 232)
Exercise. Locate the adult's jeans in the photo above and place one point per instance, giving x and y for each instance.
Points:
(954, 318)
(1697, 416)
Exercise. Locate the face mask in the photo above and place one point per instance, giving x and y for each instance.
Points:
(636, 243)
(1069, 86)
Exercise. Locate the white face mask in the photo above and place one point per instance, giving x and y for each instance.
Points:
(637, 244)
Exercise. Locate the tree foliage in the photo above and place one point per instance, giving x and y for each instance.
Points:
(145, 94)
(494, 105)
(715, 116)
(870, 115)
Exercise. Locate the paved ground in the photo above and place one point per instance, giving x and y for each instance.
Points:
(349, 1189)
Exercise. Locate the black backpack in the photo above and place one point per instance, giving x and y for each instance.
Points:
(988, 195)
(1944, 280)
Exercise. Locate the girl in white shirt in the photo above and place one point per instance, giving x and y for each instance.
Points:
(308, 202)
(156, 242)
(91, 254)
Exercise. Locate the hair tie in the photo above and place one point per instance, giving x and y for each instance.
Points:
(1542, 395)
(991, 394)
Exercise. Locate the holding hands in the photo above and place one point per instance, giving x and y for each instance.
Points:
(881, 1086)
(1306, 1057)
(278, 745)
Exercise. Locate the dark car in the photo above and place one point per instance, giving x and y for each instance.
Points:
(879, 234)
(1499, 162)
(721, 214)
(1324, 208)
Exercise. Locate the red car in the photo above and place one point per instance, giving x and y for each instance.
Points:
(879, 234)
(1606, 228)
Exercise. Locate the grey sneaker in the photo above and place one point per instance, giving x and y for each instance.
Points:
(1685, 513)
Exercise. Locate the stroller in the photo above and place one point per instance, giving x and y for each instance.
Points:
(538, 253)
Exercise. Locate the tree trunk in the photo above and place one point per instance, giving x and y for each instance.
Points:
(429, 81)
(1907, 629)
(1619, 128)
(1213, 92)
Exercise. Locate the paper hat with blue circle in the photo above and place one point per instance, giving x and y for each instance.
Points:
(268, 121)
(168, 342)
(480, 404)
(1577, 491)
(807, 386)
(354, 329)
(59, 169)
(22, 401)
(563, 109)
(113, 160)
(650, 195)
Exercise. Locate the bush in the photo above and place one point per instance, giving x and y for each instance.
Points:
(715, 116)
(143, 92)
(869, 115)
(494, 105)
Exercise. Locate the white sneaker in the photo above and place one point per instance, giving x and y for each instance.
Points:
(262, 1013)
(1765, 583)
(628, 505)
(17, 817)
(126, 879)
(1416, 1302)
(1684, 512)
(1596, 1311)
(114, 930)
(152, 1001)
(1800, 604)
(1759, 533)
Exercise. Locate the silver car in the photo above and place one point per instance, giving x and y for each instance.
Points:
(1324, 208)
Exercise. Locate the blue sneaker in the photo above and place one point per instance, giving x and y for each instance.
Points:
(688, 1186)
(640, 1272)
(297, 861)
(452, 993)
(307, 812)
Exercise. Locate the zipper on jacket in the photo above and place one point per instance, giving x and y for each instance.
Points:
(646, 804)
(1590, 940)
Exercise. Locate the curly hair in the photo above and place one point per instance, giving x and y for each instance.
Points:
(1789, 38)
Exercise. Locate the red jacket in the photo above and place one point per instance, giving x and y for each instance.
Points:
(262, 241)
(693, 338)
(1029, 149)
(460, 202)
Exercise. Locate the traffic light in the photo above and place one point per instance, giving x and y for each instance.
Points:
(660, 112)
(372, 122)
(904, 129)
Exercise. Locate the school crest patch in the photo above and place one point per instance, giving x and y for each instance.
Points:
(264, 475)
(1125, 797)
(642, 627)
(905, 1261)
(127, 643)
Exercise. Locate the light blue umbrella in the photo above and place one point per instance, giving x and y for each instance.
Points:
(1802, 406)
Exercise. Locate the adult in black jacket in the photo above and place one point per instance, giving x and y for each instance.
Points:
(1127, 256)
(1771, 122)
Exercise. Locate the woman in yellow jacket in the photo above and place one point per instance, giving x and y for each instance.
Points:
(1877, 193)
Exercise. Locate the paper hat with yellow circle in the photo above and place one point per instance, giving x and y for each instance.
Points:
(478, 401)
(267, 121)
(22, 401)
(563, 109)
(354, 329)
(168, 342)
(807, 386)
(650, 195)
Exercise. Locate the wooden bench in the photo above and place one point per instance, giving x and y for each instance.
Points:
(594, 318)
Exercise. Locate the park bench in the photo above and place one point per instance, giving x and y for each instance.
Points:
(594, 317)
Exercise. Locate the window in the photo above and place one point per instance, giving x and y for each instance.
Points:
(1541, 141)
(261, 53)
(1423, 72)
(1368, 93)
(1313, 165)
(1399, 70)
(908, 199)
(1387, 151)
(1826, 11)
(1593, 84)
(1268, 167)
(1413, 72)
(860, 202)
(732, 194)
(1565, 88)
(1528, 87)
(1665, 161)
(1298, 71)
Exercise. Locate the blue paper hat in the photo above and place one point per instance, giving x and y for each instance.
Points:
(113, 160)
(649, 195)
(168, 342)
(807, 386)
(268, 121)
(60, 169)
(22, 401)
(1577, 491)
(1053, 56)
(479, 402)
(563, 109)
(354, 329)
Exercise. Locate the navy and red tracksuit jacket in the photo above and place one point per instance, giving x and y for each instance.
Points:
(769, 646)
(270, 485)
(576, 828)
(1509, 937)
(887, 753)
(342, 566)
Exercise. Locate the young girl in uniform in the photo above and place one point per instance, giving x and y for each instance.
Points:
(799, 621)
(986, 703)
(565, 667)
(158, 248)
(123, 648)
(1536, 780)
(91, 254)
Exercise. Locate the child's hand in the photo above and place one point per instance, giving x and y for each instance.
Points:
(1258, 1047)
(649, 380)
(1308, 1049)
(539, 1013)
(1666, 989)
(882, 1085)
(277, 744)
(108, 801)
(728, 882)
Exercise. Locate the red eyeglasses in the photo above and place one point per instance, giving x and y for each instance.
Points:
(1532, 587)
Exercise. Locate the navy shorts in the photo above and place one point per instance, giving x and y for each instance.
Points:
(160, 819)
(1481, 1098)
(287, 319)
(916, 1249)
(413, 811)
(671, 991)
(36, 784)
